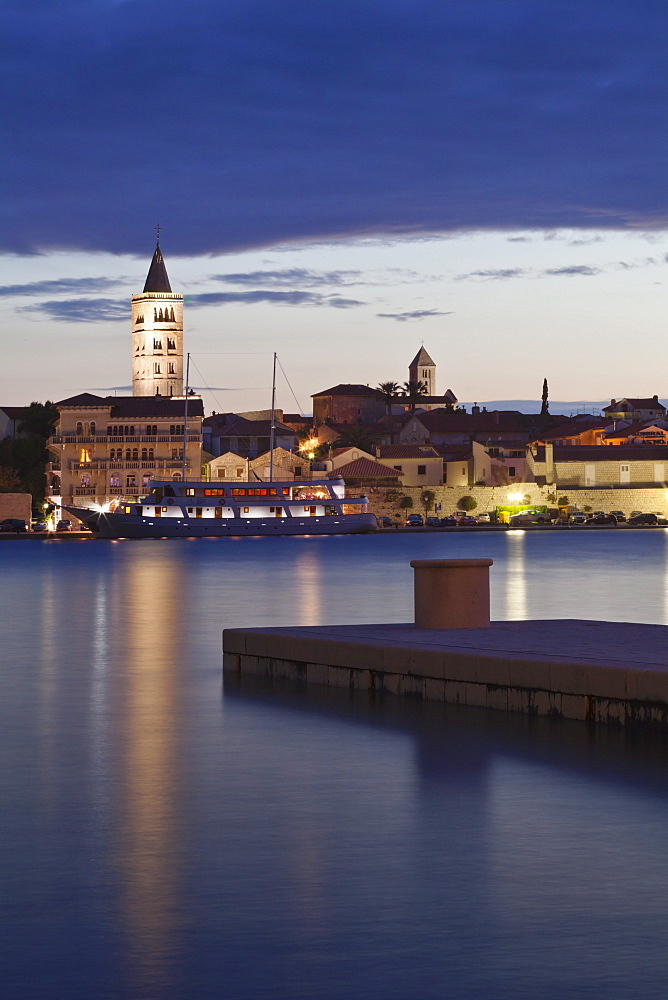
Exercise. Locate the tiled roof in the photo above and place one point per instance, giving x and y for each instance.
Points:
(135, 406)
(156, 279)
(345, 389)
(636, 404)
(421, 358)
(364, 468)
(406, 451)
(573, 427)
(494, 421)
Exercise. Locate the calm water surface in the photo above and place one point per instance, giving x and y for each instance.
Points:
(163, 838)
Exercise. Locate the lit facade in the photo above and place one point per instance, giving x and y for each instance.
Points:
(157, 335)
(109, 447)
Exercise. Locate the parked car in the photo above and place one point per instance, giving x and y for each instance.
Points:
(466, 521)
(414, 521)
(40, 526)
(601, 518)
(619, 514)
(64, 525)
(385, 522)
(579, 517)
(433, 522)
(13, 524)
(634, 513)
(484, 518)
(449, 521)
(644, 519)
(531, 517)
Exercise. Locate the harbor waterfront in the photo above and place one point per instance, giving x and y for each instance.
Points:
(163, 837)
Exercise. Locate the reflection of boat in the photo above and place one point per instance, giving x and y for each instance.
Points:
(202, 509)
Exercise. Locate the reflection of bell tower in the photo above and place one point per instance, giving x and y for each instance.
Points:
(157, 335)
(423, 369)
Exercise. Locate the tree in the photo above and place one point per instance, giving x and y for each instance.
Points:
(388, 393)
(406, 502)
(39, 420)
(413, 392)
(10, 480)
(357, 436)
(468, 503)
(427, 497)
(544, 406)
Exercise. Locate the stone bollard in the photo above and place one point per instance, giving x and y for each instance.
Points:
(451, 593)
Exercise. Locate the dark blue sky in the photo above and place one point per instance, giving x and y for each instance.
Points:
(246, 123)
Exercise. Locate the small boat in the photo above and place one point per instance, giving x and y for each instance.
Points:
(209, 510)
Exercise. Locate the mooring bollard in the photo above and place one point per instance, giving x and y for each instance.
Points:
(451, 593)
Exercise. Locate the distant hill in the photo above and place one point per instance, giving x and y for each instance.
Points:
(568, 407)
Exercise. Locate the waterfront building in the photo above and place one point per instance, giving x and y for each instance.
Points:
(418, 464)
(231, 432)
(633, 410)
(621, 466)
(110, 447)
(157, 335)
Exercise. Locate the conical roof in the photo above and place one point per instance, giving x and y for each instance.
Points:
(156, 279)
(421, 358)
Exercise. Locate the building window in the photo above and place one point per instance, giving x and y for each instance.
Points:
(398, 468)
(422, 470)
(511, 470)
(150, 454)
(157, 344)
(144, 454)
(115, 481)
(92, 428)
(156, 367)
(298, 470)
(128, 454)
(79, 427)
(135, 454)
(130, 481)
(170, 368)
(171, 345)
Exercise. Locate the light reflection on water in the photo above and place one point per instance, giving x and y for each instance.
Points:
(159, 841)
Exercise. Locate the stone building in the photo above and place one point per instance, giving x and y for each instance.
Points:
(157, 335)
(580, 467)
(109, 447)
(423, 369)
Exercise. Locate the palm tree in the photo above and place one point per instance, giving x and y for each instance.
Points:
(357, 436)
(388, 393)
(413, 392)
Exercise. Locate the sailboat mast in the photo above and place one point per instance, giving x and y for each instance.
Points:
(272, 431)
(185, 420)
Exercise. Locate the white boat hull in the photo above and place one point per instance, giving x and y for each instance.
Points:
(117, 525)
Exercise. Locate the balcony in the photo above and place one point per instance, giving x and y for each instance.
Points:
(85, 491)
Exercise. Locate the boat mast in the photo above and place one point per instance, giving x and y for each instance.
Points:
(185, 420)
(272, 431)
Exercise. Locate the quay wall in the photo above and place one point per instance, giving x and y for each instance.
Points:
(624, 692)
(489, 497)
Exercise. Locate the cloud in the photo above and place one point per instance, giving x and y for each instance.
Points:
(81, 310)
(493, 273)
(573, 270)
(268, 123)
(292, 276)
(288, 298)
(402, 317)
(52, 287)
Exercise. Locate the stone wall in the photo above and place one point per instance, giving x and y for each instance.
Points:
(489, 497)
(16, 505)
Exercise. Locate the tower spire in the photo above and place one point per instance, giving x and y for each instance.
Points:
(157, 279)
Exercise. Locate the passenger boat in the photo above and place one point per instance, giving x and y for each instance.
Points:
(208, 510)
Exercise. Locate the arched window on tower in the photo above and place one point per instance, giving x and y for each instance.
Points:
(155, 315)
(171, 315)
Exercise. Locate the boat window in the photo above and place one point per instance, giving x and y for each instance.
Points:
(157, 492)
(218, 512)
(246, 510)
(286, 491)
(214, 493)
(169, 492)
(257, 493)
(198, 511)
(238, 493)
(190, 510)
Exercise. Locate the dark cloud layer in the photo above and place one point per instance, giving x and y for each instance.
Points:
(243, 124)
(56, 285)
(80, 310)
(292, 276)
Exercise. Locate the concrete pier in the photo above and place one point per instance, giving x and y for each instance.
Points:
(595, 671)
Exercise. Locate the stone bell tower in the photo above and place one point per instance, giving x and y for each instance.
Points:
(423, 369)
(157, 334)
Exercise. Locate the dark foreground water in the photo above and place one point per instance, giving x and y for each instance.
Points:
(163, 838)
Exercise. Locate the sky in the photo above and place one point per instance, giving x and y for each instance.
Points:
(339, 183)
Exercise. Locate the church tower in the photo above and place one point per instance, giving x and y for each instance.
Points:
(423, 369)
(157, 335)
